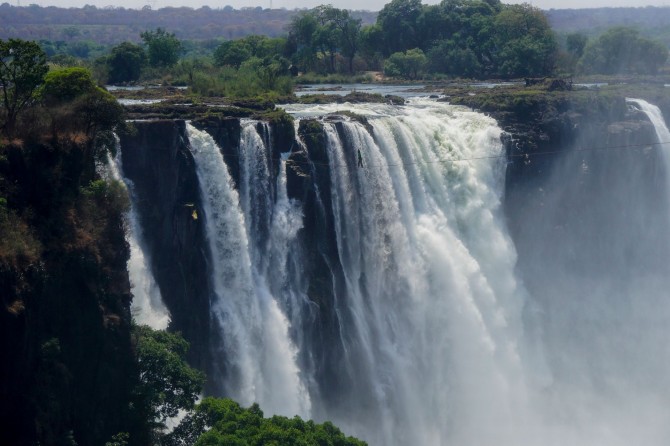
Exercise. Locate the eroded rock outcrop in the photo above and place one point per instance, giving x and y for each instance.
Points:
(156, 158)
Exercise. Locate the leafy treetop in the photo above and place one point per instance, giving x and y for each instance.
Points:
(125, 62)
(167, 383)
(623, 50)
(163, 47)
(22, 69)
(218, 422)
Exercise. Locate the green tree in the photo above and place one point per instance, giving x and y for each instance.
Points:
(98, 112)
(371, 45)
(224, 422)
(75, 103)
(322, 33)
(82, 49)
(270, 71)
(350, 29)
(342, 29)
(125, 62)
(571, 51)
(622, 50)
(22, 69)
(232, 53)
(71, 32)
(167, 384)
(526, 43)
(163, 47)
(326, 37)
(189, 68)
(409, 65)
(66, 84)
(399, 23)
(447, 57)
(301, 34)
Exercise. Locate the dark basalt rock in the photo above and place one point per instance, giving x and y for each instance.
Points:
(308, 180)
(158, 161)
(226, 133)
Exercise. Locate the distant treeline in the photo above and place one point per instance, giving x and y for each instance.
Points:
(109, 26)
(652, 22)
(477, 39)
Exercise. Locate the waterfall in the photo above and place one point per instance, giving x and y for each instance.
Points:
(429, 271)
(656, 118)
(257, 357)
(393, 300)
(594, 253)
(147, 305)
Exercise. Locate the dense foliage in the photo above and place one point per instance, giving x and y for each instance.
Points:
(22, 68)
(410, 40)
(622, 50)
(163, 47)
(166, 383)
(64, 289)
(471, 38)
(409, 64)
(125, 63)
(222, 422)
(322, 34)
(651, 21)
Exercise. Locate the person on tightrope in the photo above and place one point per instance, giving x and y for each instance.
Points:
(360, 158)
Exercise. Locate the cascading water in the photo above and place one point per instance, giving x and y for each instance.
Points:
(594, 252)
(258, 358)
(430, 276)
(662, 133)
(443, 334)
(429, 311)
(147, 306)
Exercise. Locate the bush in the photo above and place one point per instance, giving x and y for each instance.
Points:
(623, 50)
(18, 246)
(167, 383)
(66, 84)
(224, 422)
(408, 65)
(125, 62)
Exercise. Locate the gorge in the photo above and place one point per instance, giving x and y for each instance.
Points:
(465, 286)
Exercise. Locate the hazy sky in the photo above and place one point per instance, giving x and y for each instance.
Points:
(372, 5)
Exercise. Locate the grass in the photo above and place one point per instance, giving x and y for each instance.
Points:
(315, 78)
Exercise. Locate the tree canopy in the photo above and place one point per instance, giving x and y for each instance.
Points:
(223, 422)
(22, 69)
(66, 84)
(163, 47)
(399, 21)
(321, 34)
(125, 62)
(167, 383)
(409, 64)
(623, 50)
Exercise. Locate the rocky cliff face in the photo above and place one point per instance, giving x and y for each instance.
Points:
(603, 148)
(66, 370)
(308, 180)
(157, 160)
